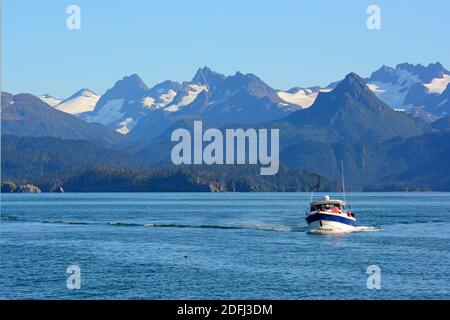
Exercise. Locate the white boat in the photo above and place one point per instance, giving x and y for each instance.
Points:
(329, 215)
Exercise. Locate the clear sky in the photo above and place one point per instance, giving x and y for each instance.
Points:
(285, 42)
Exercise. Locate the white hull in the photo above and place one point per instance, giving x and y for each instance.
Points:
(329, 226)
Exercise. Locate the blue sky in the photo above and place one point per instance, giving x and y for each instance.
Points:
(285, 42)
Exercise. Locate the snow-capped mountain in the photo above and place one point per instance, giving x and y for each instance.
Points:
(240, 98)
(408, 86)
(302, 97)
(82, 101)
(352, 111)
(439, 104)
(27, 115)
(130, 100)
(130, 107)
(51, 101)
(121, 106)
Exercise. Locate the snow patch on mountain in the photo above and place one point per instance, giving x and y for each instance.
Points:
(303, 98)
(80, 102)
(148, 102)
(390, 93)
(394, 93)
(51, 101)
(194, 91)
(108, 114)
(438, 85)
(168, 97)
(126, 126)
(160, 102)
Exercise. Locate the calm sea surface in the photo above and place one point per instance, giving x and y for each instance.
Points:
(220, 246)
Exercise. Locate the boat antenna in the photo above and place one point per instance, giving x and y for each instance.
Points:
(343, 180)
(313, 182)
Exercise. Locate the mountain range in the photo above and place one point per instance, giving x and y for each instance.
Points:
(410, 86)
(133, 109)
(130, 107)
(27, 115)
(383, 127)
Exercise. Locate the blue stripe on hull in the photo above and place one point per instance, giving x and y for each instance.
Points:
(328, 217)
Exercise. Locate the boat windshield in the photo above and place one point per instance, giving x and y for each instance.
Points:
(326, 207)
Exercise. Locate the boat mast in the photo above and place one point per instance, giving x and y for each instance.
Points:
(343, 181)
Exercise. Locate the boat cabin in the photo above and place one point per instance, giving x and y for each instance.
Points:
(328, 205)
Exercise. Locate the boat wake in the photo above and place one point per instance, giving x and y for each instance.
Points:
(263, 227)
(257, 226)
(67, 222)
(8, 218)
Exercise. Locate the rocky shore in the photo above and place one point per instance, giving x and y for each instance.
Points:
(11, 187)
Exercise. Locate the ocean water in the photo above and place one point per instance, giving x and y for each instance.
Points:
(221, 246)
